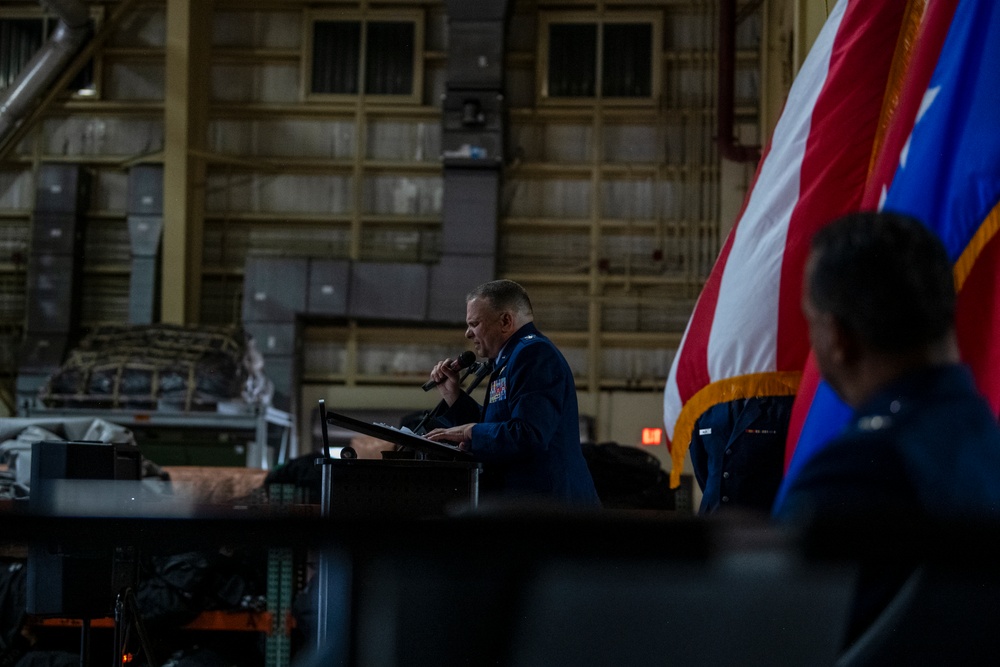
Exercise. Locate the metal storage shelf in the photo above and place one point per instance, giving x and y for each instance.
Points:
(255, 424)
(217, 620)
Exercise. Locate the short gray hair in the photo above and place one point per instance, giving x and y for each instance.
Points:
(504, 295)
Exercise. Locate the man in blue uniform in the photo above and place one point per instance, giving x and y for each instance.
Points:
(738, 453)
(880, 301)
(922, 443)
(528, 433)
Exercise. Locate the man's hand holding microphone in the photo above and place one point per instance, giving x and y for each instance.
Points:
(446, 376)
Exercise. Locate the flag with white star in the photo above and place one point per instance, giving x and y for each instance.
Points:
(940, 162)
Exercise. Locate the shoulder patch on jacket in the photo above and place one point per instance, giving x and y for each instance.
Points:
(498, 390)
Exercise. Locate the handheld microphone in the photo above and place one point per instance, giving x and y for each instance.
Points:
(464, 360)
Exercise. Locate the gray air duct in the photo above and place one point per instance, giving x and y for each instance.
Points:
(36, 77)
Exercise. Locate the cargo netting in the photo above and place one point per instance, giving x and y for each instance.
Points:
(168, 367)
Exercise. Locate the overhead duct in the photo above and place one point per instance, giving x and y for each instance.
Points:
(54, 279)
(472, 143)
(729, 148)
(36, 77)
(145, 230)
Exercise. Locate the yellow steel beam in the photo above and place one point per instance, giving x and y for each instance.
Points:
(187, 80)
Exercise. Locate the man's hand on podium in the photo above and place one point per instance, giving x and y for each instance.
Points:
(460, 435)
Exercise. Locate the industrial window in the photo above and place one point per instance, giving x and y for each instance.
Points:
(375, 55)
(21, 37)
(614, 59)
(19, 40)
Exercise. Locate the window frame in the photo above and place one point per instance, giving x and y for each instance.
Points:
(547, 19)
(312, 16)
(48, 18)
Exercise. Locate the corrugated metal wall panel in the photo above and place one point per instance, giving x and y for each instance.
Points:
(105, 300)
(15, 235)
(135, 82)
(10, 343)
(109, 190)
(322, 358)
(560, 308)
(552, 142)
(689, 28)
(630, 200)
(548, 251)
(227, 244)
(646, 310)
(146, 27)
(257, 29)
(269, 82)
(12, 301)
(17, 189)
(388, 291)
(403, 195)
(639, 365)
(279, 193)
(283, 137)
(399, 245)
(221, 300)
(548, 198)
(408, 360)
(452, 278)
(102, 135)
(404, 140)
(578, 360)
(637, 253)
(633, 144)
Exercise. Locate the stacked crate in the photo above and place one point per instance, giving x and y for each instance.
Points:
(54, 274)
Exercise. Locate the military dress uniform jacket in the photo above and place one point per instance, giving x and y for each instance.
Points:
(926, 447)
(528, 431)
(738, 452)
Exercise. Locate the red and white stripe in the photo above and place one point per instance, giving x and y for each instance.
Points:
(747, 336)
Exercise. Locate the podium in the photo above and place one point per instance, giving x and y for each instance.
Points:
(439, 478)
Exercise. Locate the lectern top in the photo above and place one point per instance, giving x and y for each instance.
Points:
(403, 438)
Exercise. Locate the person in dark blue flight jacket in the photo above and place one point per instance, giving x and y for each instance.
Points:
(922, 444)
(527, 434)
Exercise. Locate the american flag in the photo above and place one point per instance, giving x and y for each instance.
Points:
(747, 336)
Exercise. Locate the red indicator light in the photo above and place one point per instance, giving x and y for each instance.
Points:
(652, 436)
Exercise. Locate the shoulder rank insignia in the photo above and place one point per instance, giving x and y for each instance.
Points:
(874, 423)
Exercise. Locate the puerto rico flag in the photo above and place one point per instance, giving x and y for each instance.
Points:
(747, 336)
(941, 164)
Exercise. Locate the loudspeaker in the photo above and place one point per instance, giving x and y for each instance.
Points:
(78, 582)
(53, 461)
